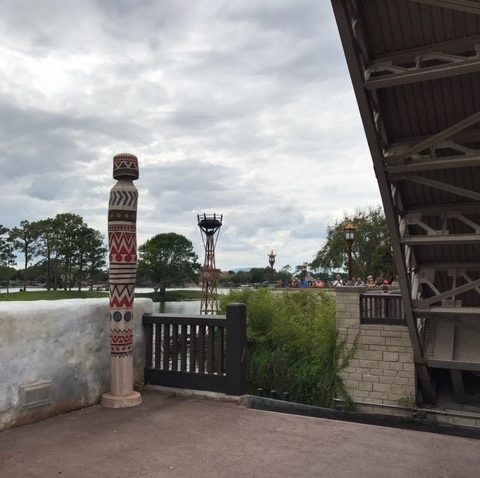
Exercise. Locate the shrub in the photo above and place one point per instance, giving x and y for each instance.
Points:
(293, 344)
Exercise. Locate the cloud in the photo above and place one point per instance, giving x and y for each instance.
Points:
(240, 108)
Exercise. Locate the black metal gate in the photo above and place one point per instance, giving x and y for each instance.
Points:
(197, 351)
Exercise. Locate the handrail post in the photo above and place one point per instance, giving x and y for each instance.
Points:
(236, 366)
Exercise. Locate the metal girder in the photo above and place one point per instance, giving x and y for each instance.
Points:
(441, 239)
(466, 6)
(371, 123)
(450, 188)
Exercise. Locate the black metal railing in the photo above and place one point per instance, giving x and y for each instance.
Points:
(379, 308)
(197, 351)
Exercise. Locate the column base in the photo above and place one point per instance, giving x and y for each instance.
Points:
(121, 401)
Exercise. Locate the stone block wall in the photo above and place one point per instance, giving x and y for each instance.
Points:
(382, 370)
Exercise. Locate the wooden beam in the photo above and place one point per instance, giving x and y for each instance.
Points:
(448, 293)
(436, 72)
(450, 313)
(438, 209)
(465, 136)
(432, 183)
(466, 6)
(441, 239)
(444, 266)
(440, 136)
(430, 164)
(458, 45)
(454, 365)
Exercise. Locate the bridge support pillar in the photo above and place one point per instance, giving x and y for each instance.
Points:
(382, 371)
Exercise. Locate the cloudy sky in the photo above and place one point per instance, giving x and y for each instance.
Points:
(237, 107)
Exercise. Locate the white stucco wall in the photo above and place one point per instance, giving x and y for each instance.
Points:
(65, 342)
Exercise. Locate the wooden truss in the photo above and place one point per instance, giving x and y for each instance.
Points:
(421, 64)
(457, 146)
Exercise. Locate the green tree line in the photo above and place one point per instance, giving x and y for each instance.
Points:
(63, 250)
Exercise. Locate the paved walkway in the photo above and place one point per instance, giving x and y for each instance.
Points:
(186, 437)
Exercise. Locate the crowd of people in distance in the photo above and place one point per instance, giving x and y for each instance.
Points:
(302, 284)
(382, 282)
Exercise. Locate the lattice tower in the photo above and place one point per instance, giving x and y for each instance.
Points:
(209, 229)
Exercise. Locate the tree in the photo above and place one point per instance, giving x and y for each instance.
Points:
(24, 239)
(168, 259)
(7, 255)
(47, 245)
(369, 249)
(91, 255)
(69, 228)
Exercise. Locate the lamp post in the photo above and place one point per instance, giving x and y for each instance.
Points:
(349, 230)
(271, 261)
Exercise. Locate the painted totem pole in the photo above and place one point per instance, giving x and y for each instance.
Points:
(122, 244)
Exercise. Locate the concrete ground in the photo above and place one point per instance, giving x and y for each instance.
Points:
(184, 437)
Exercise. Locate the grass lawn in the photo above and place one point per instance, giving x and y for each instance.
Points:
(74, 294)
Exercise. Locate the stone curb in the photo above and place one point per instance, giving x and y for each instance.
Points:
(416, 424)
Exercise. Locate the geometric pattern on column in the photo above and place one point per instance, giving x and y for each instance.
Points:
(122, 245)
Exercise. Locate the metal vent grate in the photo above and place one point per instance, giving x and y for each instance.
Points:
(36, 395)
(430, 338)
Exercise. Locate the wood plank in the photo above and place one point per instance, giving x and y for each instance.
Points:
(182, 319)
(201, 349)
(193, 349)
(174, 347)
(183, 348)
(166, 347)
(158, 345)
(166, 378)
(219, 366)
(148, 345)
(210, 345)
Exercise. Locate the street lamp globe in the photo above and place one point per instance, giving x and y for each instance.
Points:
(349, 230)
(271, 258)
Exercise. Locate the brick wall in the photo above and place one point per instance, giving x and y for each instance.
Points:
(382, 370)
